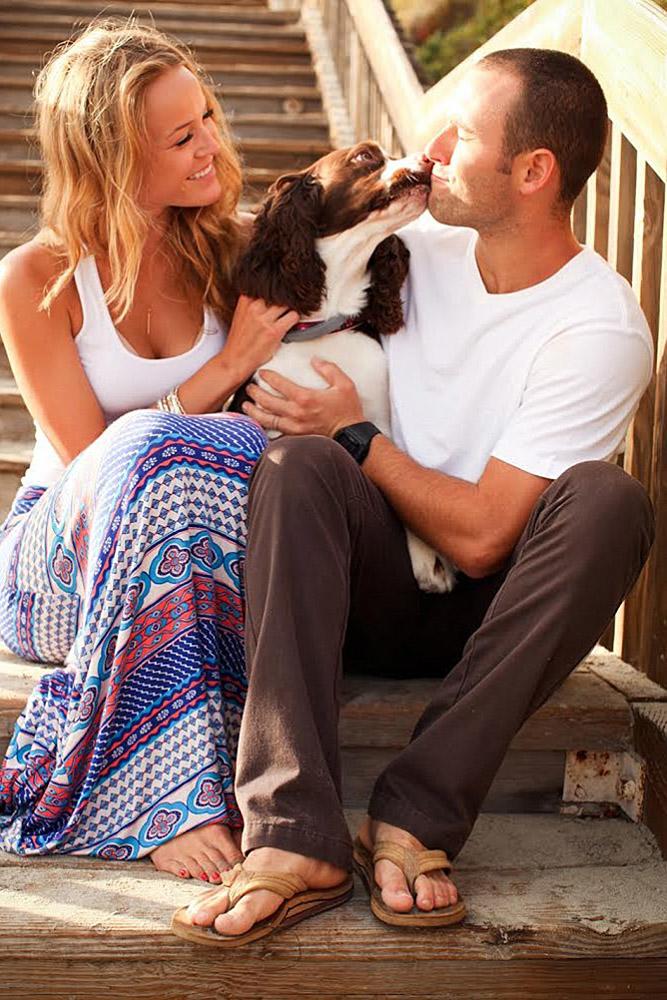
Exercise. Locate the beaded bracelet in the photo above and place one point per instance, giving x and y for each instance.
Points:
(171, 403)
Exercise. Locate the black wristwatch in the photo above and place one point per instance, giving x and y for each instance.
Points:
(356, 439)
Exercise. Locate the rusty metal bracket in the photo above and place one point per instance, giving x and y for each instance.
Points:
(606, 776)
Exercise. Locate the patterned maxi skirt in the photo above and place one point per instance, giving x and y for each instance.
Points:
(128, 571)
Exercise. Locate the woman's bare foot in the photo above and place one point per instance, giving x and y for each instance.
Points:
(434, 890)
(202, 853)
(211, 909)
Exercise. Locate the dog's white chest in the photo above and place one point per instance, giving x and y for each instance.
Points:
(358, 355)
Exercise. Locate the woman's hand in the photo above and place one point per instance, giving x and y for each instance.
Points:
(254, 335)
(306, 411)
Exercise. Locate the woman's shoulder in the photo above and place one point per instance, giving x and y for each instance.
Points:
(30, 267)
(31, 262)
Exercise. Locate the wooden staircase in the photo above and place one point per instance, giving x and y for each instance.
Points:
(564, 899)
(261, 66)
(566, 894)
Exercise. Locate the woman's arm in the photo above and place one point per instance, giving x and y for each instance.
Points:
(254, 334)
(41, 351)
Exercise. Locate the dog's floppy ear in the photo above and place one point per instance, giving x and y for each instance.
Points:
(388, 268)
(281, 264)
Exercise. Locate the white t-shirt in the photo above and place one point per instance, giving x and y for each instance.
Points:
(541, 378)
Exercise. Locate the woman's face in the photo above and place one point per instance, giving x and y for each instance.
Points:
(183, 143)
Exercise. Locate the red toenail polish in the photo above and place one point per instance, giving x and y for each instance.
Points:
(182, 873)
(204, 877)
(216, 875)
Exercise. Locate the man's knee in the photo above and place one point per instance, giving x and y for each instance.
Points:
(610, 498)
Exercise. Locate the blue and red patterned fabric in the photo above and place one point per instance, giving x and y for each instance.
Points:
(128, 572)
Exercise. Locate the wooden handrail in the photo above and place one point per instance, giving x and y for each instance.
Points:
(625, 44)
(393, 71)
(375, 75)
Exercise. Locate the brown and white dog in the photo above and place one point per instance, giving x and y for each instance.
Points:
(324, 244)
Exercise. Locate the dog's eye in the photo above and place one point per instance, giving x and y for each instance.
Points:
(363, 156)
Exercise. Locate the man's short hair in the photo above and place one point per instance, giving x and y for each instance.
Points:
(561, 108)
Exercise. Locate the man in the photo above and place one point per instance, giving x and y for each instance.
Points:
(522, 360)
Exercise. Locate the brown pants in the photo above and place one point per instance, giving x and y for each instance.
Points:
(328, 578)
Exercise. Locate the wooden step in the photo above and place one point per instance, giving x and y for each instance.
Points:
(15, 119)
(540, 892)
(168, 9)
(584, 713)
(236, 97)
(9, 484)
(19, 146)
(50, 20)
(24, 66)
(17, 435)
(9, 393)
(20, 175)
(23, 177)
(280, 52)
(282, 126)
(527, 782)
(18, 212)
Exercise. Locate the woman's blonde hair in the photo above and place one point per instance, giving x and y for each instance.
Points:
(90, 99)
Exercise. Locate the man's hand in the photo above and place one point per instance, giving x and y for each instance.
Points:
(306, 411)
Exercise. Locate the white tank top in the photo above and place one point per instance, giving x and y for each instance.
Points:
(121, 379)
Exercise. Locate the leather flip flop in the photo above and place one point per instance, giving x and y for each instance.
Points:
(299, 903)
(412, 863)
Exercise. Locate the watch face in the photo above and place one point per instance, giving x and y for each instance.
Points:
(356, 439)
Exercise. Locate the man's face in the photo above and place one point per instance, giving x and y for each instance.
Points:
(470, 183)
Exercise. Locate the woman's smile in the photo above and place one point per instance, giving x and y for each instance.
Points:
(202, 174)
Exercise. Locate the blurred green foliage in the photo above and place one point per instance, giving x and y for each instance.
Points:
(470, 24)
(446, 31)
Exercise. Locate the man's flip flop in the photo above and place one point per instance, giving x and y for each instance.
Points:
(300, 903)
(412, 863)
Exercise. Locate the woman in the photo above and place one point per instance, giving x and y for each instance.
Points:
(122, 552)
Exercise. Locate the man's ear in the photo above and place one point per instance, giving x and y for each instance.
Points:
(535, 170)
(388, 268)
(281, 264)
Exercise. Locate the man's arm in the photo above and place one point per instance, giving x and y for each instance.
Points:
(476, 524)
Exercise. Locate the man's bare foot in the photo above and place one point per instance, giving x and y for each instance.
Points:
(434, 890)
(211, 909)
(202, 853)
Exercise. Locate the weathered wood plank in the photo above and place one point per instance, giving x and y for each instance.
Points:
(393, 73)
(527, 782)
(639, 440)
(546, 842)
(621, 203)
(654, 646)
(625, 44)
(631, 683)
(651, 742)
(584, 713)
(579, 212)
(212, 978)
(593, 912)
(597, 220)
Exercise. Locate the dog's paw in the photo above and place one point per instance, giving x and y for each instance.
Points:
(434, 574)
